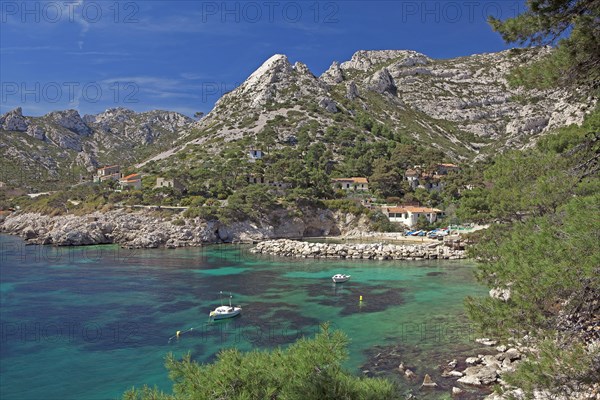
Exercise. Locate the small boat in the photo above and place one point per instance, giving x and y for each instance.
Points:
(339, 278)
(223, 312)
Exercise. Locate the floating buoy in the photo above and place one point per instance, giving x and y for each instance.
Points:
(177, 333)
(360, 298)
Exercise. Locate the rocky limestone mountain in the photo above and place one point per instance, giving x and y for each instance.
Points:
(462, 106)
(62, 146)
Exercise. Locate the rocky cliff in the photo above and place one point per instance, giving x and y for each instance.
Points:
(151, 230)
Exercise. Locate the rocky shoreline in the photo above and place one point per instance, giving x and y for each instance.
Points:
(148, 229)
(370, 251)
(468, 377)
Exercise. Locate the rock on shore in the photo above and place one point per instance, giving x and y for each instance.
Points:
(371, 251)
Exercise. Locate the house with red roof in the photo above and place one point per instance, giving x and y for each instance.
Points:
(409, 215)
(132, 181)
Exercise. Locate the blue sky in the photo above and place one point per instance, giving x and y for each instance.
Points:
(183, 55)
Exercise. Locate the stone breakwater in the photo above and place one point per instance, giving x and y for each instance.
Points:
(371, 251)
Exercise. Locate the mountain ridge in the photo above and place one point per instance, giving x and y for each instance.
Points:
(462, 107)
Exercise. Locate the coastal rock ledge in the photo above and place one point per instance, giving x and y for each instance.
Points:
(370, 251)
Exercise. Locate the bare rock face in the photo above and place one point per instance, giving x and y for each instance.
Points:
(14, 121)
(261, 84)
(71, 120)
(333, 75)
(36, 132)
(328, 105)
(351, 91)
(364, 60)
(381, 82)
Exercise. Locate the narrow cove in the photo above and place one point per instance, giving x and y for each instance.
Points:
(90, 322)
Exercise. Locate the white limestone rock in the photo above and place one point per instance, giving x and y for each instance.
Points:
(14, 121)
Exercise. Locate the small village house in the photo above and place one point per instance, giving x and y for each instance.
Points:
(409, 215)
(412, 176)
(445, 169)
(350, 184)
(112, 172)
(255, 154)
(430, 181)
(132, 181)
(169, 183)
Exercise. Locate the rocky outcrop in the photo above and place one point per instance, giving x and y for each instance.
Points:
(333, 75)
(375, 251)
(14, 121)
(381, 82)
(130, 229)
(149, 230)
(71, 120)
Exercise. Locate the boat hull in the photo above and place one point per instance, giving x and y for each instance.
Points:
(340, 279)
(225, 312)
(225, 316)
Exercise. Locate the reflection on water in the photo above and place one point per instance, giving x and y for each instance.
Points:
(104, 315)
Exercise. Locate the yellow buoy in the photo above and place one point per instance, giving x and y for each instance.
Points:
(360, 298)
(177, 333)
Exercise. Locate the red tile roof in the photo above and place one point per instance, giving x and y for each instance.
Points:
(132, 177)
(412, 209)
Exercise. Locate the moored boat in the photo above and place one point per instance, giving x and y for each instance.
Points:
(223, 312)
(339, 278)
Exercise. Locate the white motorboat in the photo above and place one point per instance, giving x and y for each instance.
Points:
(223, 312)
(339, 278)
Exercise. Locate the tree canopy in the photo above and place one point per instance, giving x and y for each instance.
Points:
(574, 25)
(309, 369)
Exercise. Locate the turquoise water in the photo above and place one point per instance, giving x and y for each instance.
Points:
(90, 322)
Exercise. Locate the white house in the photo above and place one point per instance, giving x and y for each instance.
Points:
(255, 154)
(412, 176)
(355, 183)
(409, 215)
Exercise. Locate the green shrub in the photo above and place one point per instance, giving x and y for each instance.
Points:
(310, 369)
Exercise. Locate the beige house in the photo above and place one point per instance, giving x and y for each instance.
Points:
(133, 181)
(444, 169)
(355, 183)
(168, 183)
(409, 215)
(112, 172)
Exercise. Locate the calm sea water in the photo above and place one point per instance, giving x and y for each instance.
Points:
(90, 322)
